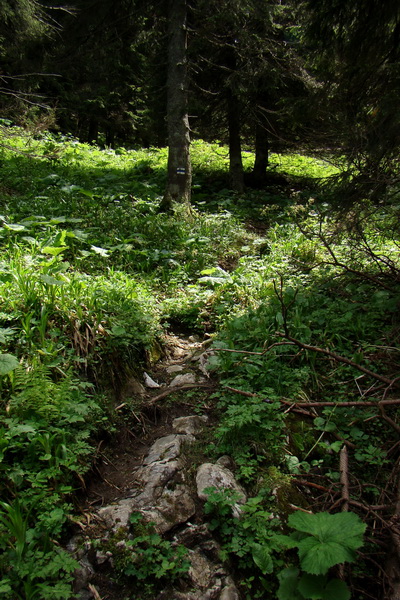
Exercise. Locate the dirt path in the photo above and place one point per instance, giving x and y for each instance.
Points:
(178, 385)
(149, 413)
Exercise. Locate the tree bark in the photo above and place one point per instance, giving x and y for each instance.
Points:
(179, 181)
(93, 131)
(261, 160)
(235, 147)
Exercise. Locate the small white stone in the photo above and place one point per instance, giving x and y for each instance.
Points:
(149, 382)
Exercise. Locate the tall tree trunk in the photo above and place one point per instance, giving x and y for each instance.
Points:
(93, 131)
(259, 173)
(235, 147)
(179, 165)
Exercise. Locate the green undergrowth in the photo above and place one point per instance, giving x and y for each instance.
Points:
(91, 275)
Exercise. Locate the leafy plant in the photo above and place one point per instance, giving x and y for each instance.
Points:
(147, 556)
(323, 540)
(249, 538)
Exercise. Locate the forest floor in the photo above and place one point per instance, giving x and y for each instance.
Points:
(300, 297)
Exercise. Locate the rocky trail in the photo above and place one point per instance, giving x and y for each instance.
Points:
(157, 472)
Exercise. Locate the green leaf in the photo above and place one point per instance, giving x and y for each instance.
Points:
(288, 588)
(313, 586)
(262, 558)
(101, 251)
(14, 227)
(118, 331)
(53, 250)
(4, 332)
(49, 280)
(18, 429)
(8, 363)
(5, 588)
(317, 587)
(87, 193)
(337, 590)
(333, 539)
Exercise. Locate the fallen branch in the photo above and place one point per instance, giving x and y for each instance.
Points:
(304, 483)
(344, 477)
(251, 352)
(336, 357)
(178, 388)
(388, 419)
(240, 392)
(378, 403)
(294, 405)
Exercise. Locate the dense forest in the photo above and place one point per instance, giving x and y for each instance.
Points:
(220, 176)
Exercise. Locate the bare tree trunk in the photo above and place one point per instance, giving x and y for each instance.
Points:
(93, 131)
(261, 160)
(179, 182)
(235, 146)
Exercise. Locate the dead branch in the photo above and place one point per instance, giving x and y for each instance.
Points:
(316, 486)
(241, 392)
(284, 307)
(178, 388)
(362, 403)
(393, 559)
(388, 419)
(336, 262)
(336, 357)
(252, 353)
(344, 477)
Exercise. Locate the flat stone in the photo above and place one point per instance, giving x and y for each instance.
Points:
(174, 369)
(184, 379)
(189, 425)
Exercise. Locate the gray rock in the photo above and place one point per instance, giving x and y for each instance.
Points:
(229, 592)
(174, 369)
(166, 448)
(152, 478)
(201, 570)
(117, 515)
(83, 574)
(163, 498)
(193, 535)
(190, 425)
(149, 382)
(184, 379)
(221, 478)
(102, 557)
(226, 461)
(172, 508)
